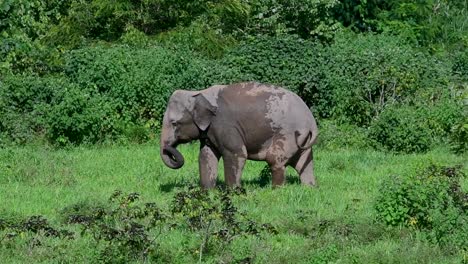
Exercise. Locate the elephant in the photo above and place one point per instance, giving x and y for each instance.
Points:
(239, 122)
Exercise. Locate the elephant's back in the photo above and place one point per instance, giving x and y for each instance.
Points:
(266, 105)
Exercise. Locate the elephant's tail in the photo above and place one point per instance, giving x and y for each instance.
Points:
(308, 140)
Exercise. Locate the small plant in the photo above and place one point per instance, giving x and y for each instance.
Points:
(34, 229)
(459, 138)
(403, 129)
(431, 200)
(128, 229)
(215, 217)
(124, 228)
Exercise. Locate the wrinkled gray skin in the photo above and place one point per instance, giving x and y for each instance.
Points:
(238, 122)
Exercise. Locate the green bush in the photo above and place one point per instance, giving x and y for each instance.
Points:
(105, 93)
(402, 129)
(53, 108)
(415, 128)
(199, 37)
(336, 136)
(79, 117)
(305, 18)
(23, 24)
(287, 60)
(23, 104)
(138, 82)
(366, 73)
(353, 79)
(459, 137)
(432, 200)
(460, 65)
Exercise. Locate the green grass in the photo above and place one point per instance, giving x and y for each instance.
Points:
(334, 223)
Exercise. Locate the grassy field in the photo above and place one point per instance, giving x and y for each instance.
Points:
(334, 223)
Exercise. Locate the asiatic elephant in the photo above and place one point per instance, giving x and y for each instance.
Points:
(237, 122)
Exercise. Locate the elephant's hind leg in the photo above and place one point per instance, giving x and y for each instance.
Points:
(304, 165)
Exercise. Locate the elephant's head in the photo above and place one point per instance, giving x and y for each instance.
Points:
(187, 116)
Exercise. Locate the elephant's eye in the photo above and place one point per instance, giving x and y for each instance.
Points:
(174, 123)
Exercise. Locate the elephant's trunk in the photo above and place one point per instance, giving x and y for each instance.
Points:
(169, 154)
(172, 157)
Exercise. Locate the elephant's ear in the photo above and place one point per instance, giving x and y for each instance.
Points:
(204, 111)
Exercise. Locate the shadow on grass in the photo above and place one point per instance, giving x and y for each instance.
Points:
(292, 179)
(170, 186)
(264, 179)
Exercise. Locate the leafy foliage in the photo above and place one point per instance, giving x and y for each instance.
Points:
(437, 24)
(353, 80)
(23, 25)
(431, 23)
(414, 128)
(431, 200)
(23, 101)
(459, 137)
(109, 68)
(336, 136)
(364, 74)
(52, 108)
(215, 216)
(305, 18)
(402, 130)
(105, 93)
(288, 61)
(127, 227)
(139, 82)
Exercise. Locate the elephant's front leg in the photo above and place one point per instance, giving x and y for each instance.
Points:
(233, 166)
(208, 165)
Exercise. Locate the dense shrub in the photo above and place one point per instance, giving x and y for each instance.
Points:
(459, 131)
(435, 25)
(366, 73)
(432, 200)
(105, 93)
(305, 18)
(459, 137)
(401, 129)
(121, 90)
(460, 65)
(287, 60)
(336, 136)
(353, 79)
(138, 82)
(415, 128)
(53, 108)
(199, 37)
(78, 117)
(23, 24)
(23, 102)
